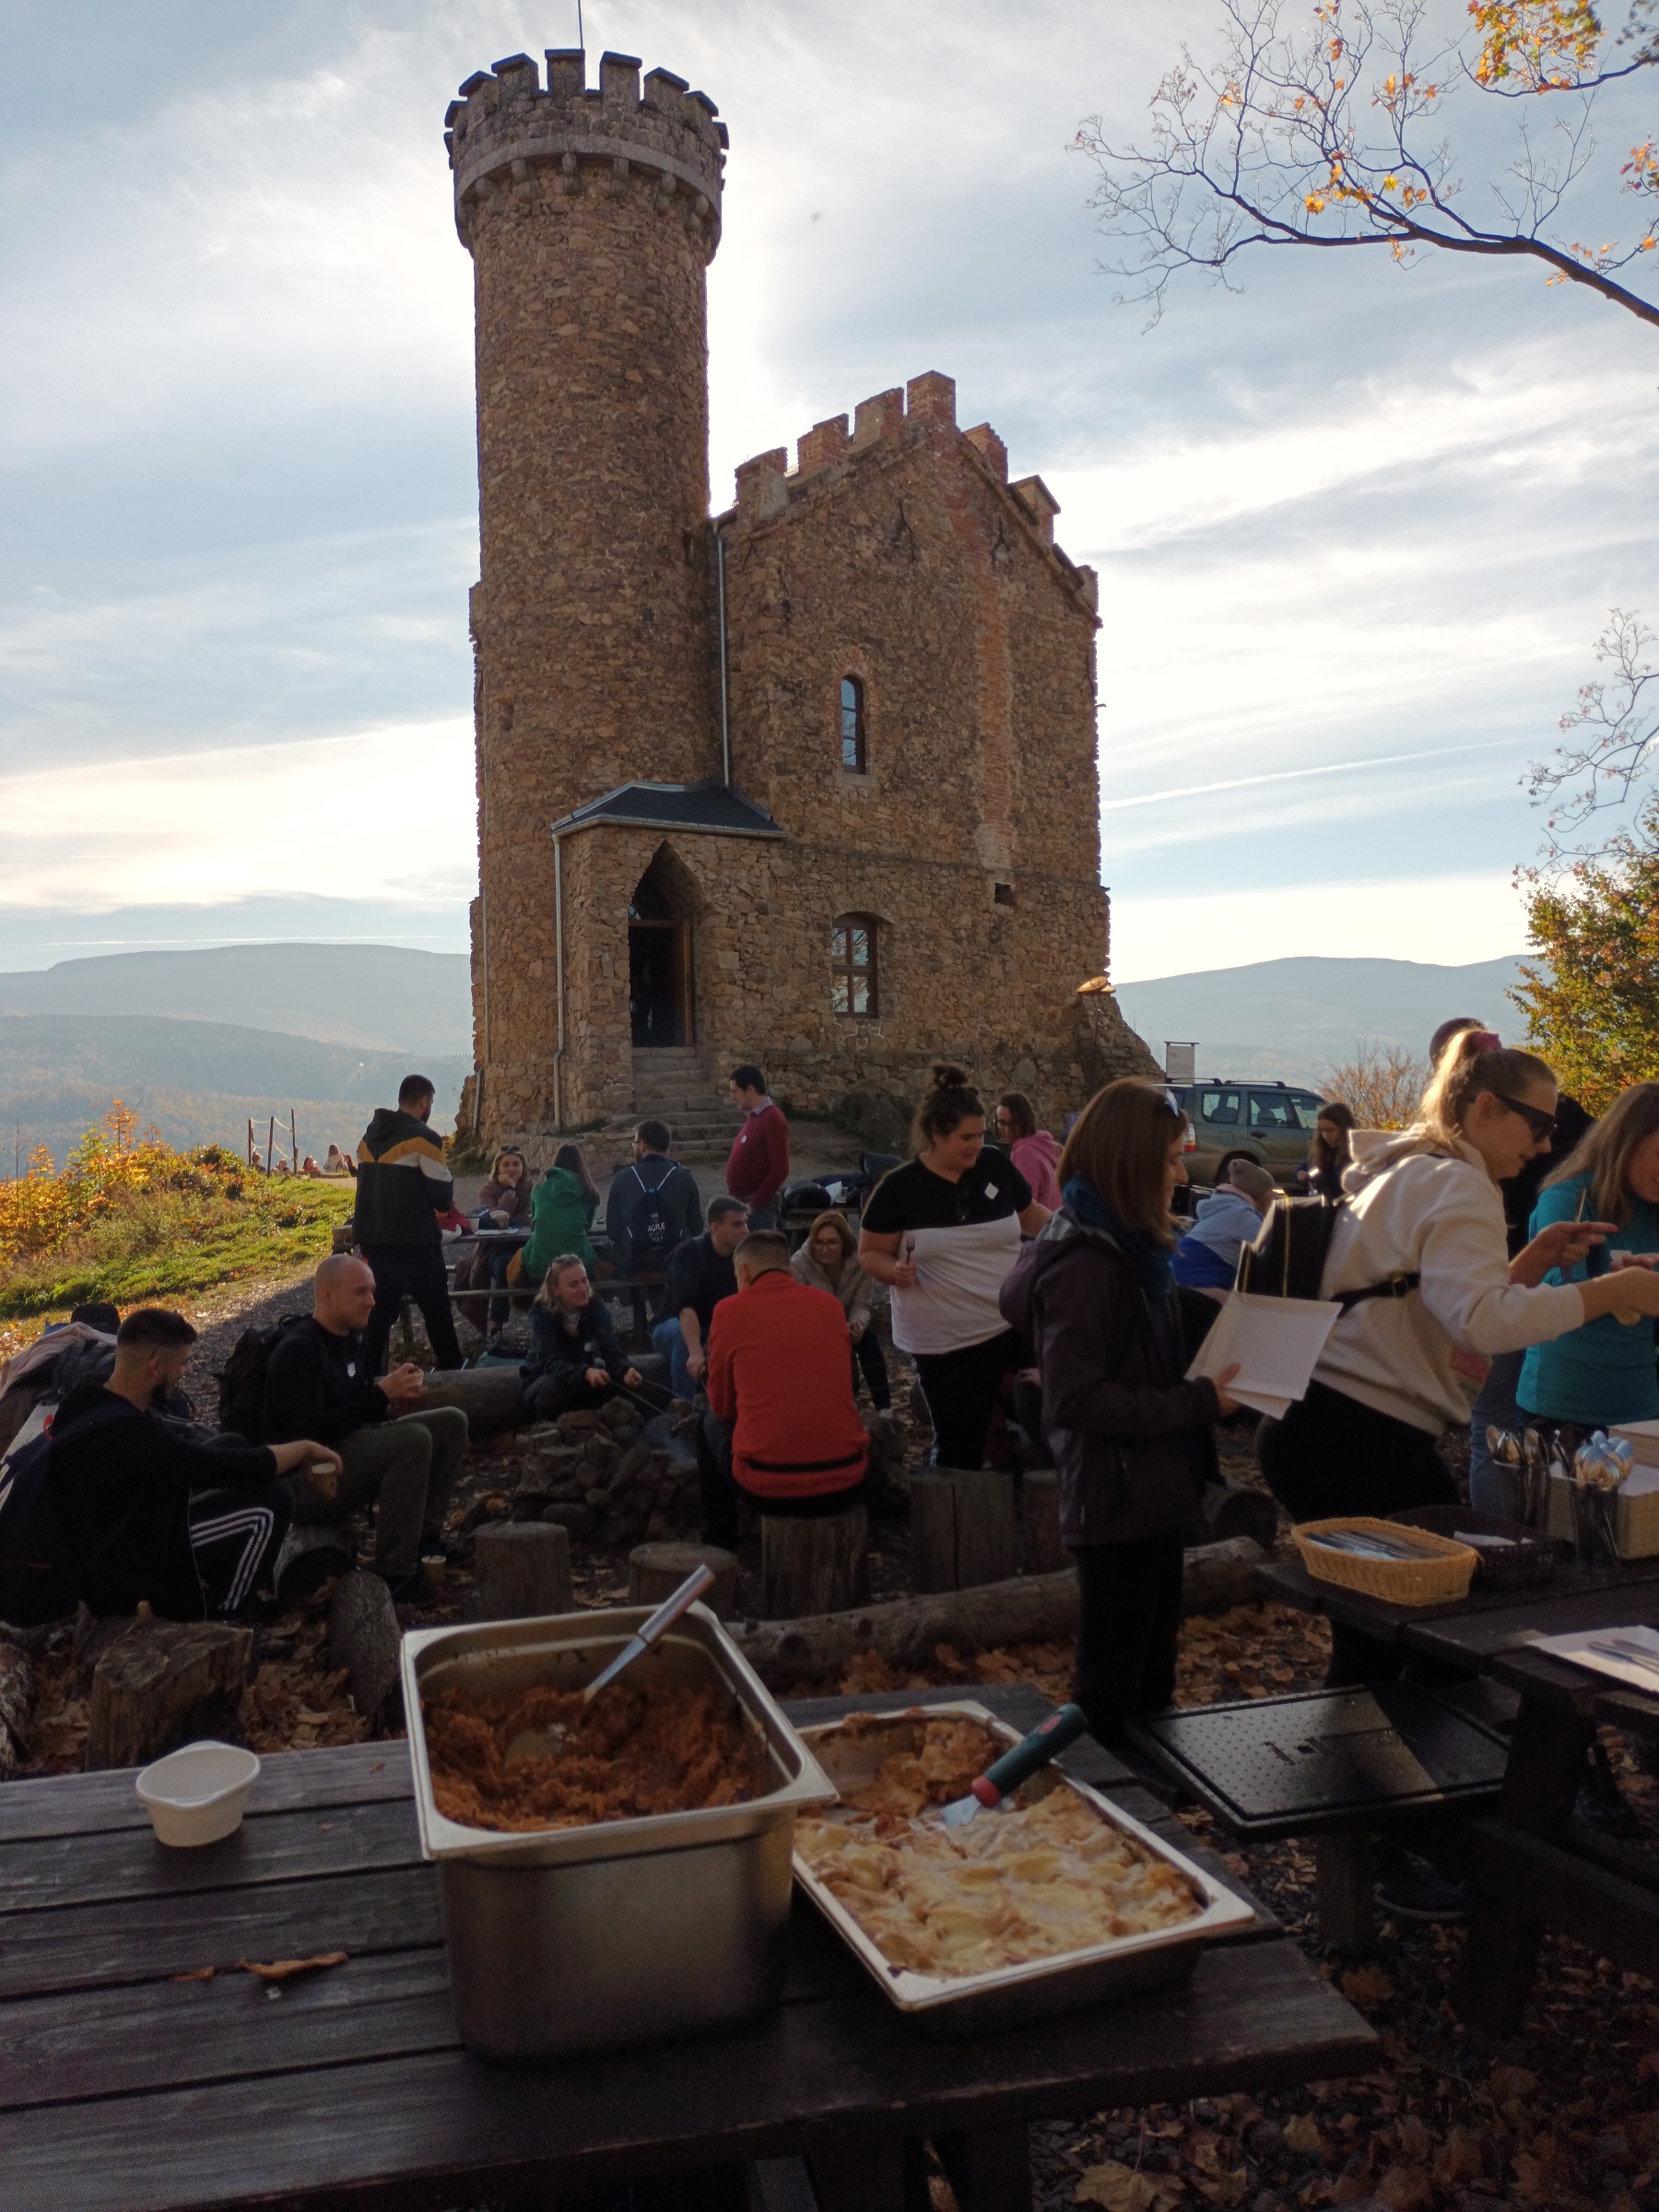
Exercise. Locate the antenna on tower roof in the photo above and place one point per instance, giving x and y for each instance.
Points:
(580, 40)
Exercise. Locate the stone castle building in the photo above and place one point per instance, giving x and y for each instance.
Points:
(811, 782)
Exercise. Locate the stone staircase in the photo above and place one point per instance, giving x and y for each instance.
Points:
(677, 1084)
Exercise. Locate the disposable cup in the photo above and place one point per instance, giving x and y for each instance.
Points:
(196, 1796)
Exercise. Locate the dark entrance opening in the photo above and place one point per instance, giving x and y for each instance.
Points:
(659, 965)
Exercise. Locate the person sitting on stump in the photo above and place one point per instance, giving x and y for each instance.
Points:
(155, 1509)
(782, 1429)
(319, 1383)
(576, 1358)
(700, 1274)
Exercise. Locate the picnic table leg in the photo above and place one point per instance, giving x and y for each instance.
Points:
(851, 2174)
(1343, 1877)
(989, 2168)
(1546, 1766)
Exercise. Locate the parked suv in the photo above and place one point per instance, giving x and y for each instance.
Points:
(1268, 1122)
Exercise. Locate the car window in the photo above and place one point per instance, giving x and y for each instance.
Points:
(1272, 1109)
(1307, 1107)
(1219, 1105)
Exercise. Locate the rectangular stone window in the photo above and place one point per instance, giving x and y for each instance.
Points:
(853, 750)
(853, 965)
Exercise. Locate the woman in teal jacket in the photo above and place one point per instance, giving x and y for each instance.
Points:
(1605, 1371)
(561, 1212)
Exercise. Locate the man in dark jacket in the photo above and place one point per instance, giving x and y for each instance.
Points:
(700, 1274)
(404, 1183)
(653, 1205)
(319, 1383)
(152, 1509)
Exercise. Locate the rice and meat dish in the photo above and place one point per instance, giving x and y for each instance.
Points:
(624, 1755)
(1049, 1877)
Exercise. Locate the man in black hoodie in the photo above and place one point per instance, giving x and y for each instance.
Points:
(153, 1506)
(404, 1183)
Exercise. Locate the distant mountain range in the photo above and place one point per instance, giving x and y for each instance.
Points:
(1295, 1019)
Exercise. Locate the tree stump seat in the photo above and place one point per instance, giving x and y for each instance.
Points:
(656, 1571)
(809, 1567)
(964, 1528)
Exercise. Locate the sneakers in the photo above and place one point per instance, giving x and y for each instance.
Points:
(1410, 1889)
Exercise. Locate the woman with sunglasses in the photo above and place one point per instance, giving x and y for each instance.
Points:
(1603, 1372)
(1420, 1260)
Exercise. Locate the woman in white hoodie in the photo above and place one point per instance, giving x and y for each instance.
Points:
(1421, 1243)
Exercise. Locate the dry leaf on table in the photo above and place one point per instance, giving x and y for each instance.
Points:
(1121, 2189)
(284, 1969)
(202, 1973)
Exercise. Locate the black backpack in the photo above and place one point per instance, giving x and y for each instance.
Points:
(243, 1378)
(39, 1578)
(1288, 1259)
(652, 1234)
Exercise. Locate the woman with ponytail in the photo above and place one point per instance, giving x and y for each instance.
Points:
(1420, 1259)
(943, 1231)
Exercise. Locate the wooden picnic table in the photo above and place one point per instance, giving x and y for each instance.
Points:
(128, 2084)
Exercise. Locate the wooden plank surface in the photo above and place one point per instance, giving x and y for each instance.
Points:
(1479, 1640)
(1287, 1583)
(438, 2128)
(75, 1805)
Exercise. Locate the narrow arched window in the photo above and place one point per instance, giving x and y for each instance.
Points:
(853, 750)
(852, 985)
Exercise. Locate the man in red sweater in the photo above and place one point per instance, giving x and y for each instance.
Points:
(782, 1429)
(758, 1165)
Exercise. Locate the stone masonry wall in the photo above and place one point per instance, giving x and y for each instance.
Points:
(591, 217)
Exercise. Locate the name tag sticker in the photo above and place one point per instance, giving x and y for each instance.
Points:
(351, 1367)
(990, 1190)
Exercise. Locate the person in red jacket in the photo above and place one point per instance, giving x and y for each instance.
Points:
(757, 1167)
(782, 1429)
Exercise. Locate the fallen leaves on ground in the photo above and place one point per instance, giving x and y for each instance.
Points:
(1121, 2189)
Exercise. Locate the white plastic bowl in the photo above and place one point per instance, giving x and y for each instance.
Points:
(196, 1795)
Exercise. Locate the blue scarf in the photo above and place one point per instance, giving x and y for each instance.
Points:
(1149, 1259)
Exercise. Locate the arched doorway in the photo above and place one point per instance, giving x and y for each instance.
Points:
(659, 959)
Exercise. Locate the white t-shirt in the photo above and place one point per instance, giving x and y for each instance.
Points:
(964, 1238)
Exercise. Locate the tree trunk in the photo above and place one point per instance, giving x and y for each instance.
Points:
(964, 1528)
(311, 1553)
(16, 1703)
(165, 1683)
(1031, 1608)
(1233, 1509)
(364, 1638)
(819, 1566)
(491, 1397)
(1044, 1552)
(656, 1571)
(521, 1571)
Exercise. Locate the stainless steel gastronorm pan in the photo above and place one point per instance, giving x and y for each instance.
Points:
(1042, 1988)
(581, 1939)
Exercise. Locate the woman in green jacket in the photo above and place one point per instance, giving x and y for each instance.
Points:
(561, 1212)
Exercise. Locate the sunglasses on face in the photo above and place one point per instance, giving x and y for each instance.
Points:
(1542, 1124)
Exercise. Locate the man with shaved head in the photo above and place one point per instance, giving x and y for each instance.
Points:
(318, 1383)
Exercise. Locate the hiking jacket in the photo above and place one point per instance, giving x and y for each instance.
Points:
(557, 1351)
(1131, 1438)
(560, 1211)
(852, 1287)
(1210, 1251)
(123, 1481)
(780, 1371)
(1415, 1207)
(758, 1164)
(403, 1181)
(633, 1189)
(319, 1385)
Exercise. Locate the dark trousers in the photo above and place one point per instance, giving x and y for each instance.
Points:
(1028, 1412)
(235, 1534)
(961, 1390)
(1331, 1456)
(721, 1493)
(568, 1390)
(867, 1353)
(1129, 1620)
(415, 1271)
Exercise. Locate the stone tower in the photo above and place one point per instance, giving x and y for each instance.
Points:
(591, 217)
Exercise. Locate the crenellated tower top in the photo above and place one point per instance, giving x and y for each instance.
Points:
(509, 138)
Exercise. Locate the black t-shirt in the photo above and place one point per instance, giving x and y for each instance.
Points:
(699, 1277)
(964, 1238)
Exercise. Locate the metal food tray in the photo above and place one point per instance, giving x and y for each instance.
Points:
(1038, 1989)
(570, 1940)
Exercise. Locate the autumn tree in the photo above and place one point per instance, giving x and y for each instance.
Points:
(1382, 1083)
(1328, 125)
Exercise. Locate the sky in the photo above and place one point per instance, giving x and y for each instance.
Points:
(1358, 527)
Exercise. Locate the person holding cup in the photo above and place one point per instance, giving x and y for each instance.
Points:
(1604, 1371)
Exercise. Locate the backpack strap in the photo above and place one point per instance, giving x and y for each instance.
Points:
(1396, 1285)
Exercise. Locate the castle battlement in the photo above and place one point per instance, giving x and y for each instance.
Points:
(511, 140)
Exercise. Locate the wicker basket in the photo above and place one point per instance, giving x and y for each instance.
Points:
(1443, 1573)
(1531, 1561)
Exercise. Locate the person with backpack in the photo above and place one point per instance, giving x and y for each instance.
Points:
(392, 1455)
(1115, 1333)
(403, 1186)
(654, 1204)
(153, 1510)
(1418, 1256)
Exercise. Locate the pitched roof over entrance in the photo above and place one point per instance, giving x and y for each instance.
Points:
(714, 808)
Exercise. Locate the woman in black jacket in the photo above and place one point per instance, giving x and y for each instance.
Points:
(576, 1358)
(1113, 1334)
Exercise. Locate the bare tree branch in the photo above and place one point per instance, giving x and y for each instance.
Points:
(1601, 769)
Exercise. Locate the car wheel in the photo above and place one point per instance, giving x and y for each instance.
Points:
(1226, 1161)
